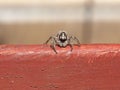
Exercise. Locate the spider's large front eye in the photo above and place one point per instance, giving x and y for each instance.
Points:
(63, 37)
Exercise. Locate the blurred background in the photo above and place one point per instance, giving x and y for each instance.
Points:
(34, 21)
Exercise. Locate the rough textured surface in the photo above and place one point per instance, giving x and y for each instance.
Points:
(37, 67)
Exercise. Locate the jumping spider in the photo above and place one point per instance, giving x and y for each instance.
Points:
(62, 40)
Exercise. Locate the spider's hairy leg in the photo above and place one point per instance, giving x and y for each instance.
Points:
(53, 46)
(50, 38)
(71, 46)
(75, 38)
(53, 39)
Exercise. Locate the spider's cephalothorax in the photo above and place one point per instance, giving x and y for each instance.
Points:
(62, 37)
(62, 40)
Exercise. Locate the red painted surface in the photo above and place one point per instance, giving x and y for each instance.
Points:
(38, 67)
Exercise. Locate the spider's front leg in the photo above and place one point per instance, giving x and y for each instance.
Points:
(50, 38)
(53, 46)
(71, 46)
(75, 38)
(53, 43)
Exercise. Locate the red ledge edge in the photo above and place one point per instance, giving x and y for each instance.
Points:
(38, 67)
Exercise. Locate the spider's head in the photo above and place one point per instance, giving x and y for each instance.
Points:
(62, 36)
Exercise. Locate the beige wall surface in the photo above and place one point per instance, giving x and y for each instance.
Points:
(39, 33)
(40, 2)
